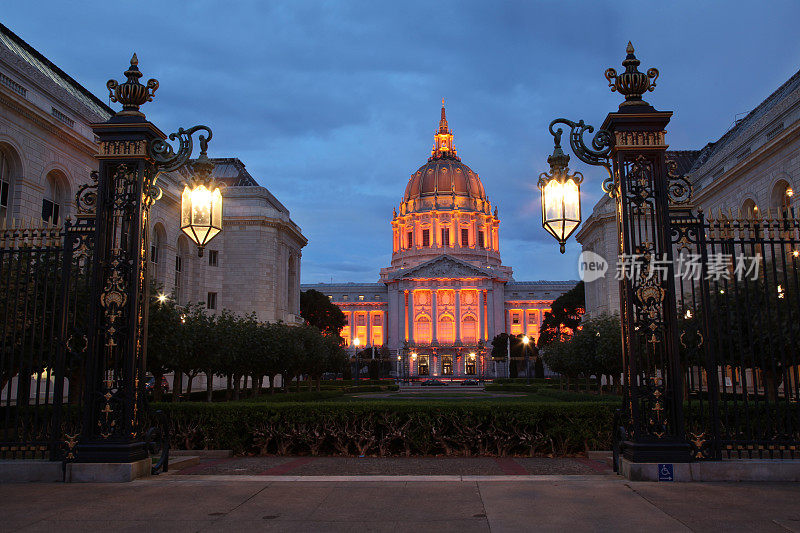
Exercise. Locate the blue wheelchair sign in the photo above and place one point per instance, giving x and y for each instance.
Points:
(666, 472)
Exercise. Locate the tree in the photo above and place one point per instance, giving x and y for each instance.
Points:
(163, 335)
(317, 310)
(564, 316)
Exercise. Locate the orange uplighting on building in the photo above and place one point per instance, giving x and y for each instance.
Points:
(446, 293)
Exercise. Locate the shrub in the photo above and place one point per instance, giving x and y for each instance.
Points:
(511, 387)
(391, 428)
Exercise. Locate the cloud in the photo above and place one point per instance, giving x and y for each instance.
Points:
(332, 105)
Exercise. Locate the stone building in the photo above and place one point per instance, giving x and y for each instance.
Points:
(446, 293)
(753, 169)
(47, 151)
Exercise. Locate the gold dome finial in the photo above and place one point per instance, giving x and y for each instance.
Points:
(443, 139)
(443, 120)
(629, 48)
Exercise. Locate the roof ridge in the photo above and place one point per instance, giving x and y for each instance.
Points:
(38, 55)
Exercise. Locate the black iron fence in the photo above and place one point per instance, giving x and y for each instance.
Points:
(738, 298)
(44, 296)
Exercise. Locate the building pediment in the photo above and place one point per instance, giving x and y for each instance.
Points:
(444, 266)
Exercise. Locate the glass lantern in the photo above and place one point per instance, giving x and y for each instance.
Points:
(201, 205)
(561, 198)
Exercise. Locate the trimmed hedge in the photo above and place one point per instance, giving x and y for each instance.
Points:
(511, 387)
(392, 428)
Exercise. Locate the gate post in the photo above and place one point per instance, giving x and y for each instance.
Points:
(119, 291)
(653, 380)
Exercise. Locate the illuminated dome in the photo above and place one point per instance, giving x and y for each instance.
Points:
(444, 173)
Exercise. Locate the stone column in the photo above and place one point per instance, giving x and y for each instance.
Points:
(490, 310)
(524, 321)
(434, 316)
(352, 326)
(384, 328)
(410, 315)
(480, 315)
(458, 316)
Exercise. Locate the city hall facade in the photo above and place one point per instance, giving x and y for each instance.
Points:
(446, 293)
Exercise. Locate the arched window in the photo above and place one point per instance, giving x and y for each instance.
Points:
(781, 198)
(55, 193)
(422, 330)
(749, 208)
(445, 329)
(469, 330)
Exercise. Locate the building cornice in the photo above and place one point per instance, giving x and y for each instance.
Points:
(24, 109)
(750, 161)
(271, 222)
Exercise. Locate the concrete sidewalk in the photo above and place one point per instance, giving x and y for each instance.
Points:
(599, 503)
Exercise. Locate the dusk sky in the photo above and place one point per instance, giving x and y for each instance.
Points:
(333, 105)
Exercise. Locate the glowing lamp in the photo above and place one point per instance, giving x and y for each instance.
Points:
(162, 298)
(561, 197)
(414, 355)
(789, 192)
(356, 342)
(526, 339)
(201, 205)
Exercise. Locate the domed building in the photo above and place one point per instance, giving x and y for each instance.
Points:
(446, 293)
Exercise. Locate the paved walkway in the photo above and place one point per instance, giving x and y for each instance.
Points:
(599, 503)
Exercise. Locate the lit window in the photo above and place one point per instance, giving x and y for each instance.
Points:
(445, 237)
(344, 298)
(480, 239)
(361, 297)
(330, 297)
(410, 241)
(377, 297)
(212, 300)
(213, 257)
(154, 252)
(464, 237)
(426, 237)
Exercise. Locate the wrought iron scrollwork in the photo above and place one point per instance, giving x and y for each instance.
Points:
(679, 189)
(86, 197)
(167, 159)
(601, 144)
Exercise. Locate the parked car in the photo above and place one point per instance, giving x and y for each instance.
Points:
(470, 382)
(433, 383)
(152, 381)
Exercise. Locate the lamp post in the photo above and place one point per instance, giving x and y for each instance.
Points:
(132, 153)
(631, 146)
(525, 341)
(356, 343)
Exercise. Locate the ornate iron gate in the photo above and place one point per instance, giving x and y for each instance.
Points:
(738, 298)
(44, 293)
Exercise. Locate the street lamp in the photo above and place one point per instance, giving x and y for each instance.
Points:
(356, 343)
(525, 341)
(644, 184)
(561, 203)
(201, 202)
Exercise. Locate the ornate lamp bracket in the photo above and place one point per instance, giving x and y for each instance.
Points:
(165, 157)
(597, 155)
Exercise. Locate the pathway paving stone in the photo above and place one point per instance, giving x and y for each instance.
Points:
(577, 504)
